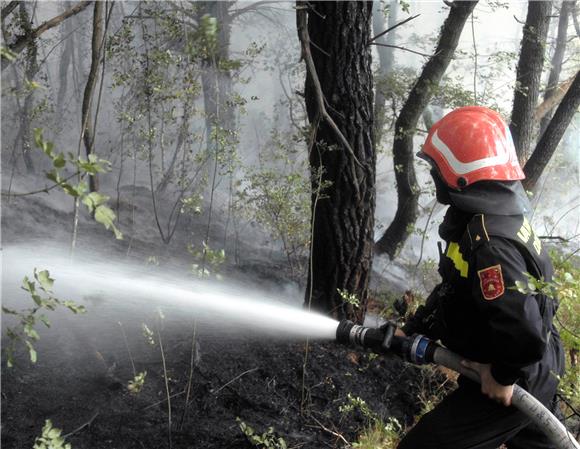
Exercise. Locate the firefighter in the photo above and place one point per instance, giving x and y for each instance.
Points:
(504, 334)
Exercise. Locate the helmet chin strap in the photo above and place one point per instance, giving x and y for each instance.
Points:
(491, 197)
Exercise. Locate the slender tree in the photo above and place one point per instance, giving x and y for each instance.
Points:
(551, 138)
(557, 59)
(528, 75)
(386, 60)
(406, 123)
(86, 116)
(339, 101)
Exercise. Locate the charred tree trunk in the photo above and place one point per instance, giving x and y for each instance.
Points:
(339, 102)
(407, 188)
(557, 58)
(528, 76)
(87, 125)
(552, 136)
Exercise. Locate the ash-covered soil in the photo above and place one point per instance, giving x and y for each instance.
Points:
(261, 383)
(80, 381)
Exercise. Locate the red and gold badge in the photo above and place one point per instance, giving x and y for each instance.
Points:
(491, 282)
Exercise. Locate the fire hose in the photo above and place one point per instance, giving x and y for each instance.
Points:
(419, 350)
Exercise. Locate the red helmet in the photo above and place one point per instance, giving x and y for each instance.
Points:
(472, 144)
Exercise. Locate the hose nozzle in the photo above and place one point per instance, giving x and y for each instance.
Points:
(377, 339)
(417, 348)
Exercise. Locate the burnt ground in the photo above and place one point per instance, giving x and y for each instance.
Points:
(80, 381)
(258, 382)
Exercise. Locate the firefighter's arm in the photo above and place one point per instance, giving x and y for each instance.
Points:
(421, 321)
(516, 336)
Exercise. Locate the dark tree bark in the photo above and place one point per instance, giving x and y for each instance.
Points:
(31, 69)
(552, 136)
(386, 62)
(528, 76)
(407, 188)
(87, 125)
(557, 58)
(22, 41)
(339, 101)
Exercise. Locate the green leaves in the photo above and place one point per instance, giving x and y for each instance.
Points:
(136, 385)
(40, 291)
(95, 202)
(51, 438)
(266, 440)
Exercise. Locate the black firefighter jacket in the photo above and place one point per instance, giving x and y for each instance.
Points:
(477, 312)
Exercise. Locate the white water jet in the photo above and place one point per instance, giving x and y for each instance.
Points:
(88, 276)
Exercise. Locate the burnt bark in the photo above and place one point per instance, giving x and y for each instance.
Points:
(557, 59)
(86, 116)
(528, 76)
(342, 155)
(420, 95)
(551, 138)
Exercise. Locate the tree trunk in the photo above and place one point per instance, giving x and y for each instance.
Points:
(386, 62)
(87, 124)
(407, 188)
(557, 58)
(65, 62)
(528, 76)
(551, 137)
(31, 69)
(342, 158)
(215, 79)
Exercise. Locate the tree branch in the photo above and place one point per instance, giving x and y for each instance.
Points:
(301, 23)
(23, 40)
(425, 55)
(551, 138)
(7, 10)
(392, 28)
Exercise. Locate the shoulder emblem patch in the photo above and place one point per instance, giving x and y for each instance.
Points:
(491, 282)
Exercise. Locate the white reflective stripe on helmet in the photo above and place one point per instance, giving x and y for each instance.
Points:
(462, 168)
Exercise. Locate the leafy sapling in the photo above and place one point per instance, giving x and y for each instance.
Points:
(266, 440)
(95, 202)
(40, 291)
(51, 438)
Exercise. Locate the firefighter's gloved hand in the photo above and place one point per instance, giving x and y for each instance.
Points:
(389, 329)
(489, 386)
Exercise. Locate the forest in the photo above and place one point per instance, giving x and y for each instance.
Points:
(196, 196)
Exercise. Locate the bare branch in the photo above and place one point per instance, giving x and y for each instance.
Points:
(301, 17)
(425, 55)
(393, 27)
(557, 95)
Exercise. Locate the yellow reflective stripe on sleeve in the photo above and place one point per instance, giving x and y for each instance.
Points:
(458, 261)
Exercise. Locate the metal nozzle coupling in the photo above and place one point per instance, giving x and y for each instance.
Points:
(348, 332)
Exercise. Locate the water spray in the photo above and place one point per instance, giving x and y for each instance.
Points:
(420, 350)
